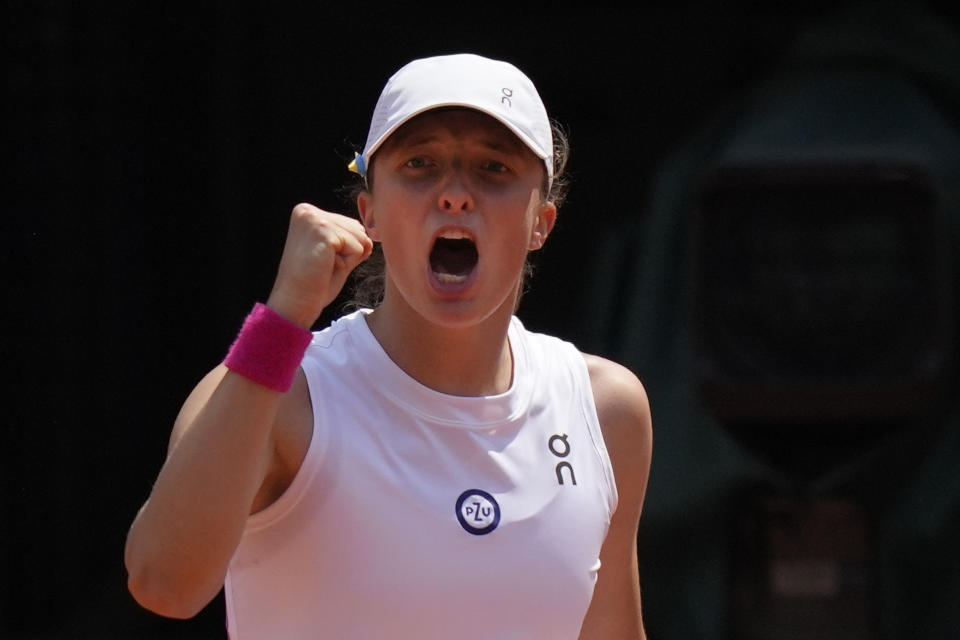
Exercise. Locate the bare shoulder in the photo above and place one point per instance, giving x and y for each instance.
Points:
(624, 414)
(622, 404)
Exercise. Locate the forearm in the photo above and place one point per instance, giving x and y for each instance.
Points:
(181, 542)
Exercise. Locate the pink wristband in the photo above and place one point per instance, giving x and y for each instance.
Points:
(268, 349)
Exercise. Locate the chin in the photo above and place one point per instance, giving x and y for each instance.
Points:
(456, 315)
(451, 306)
(465, 313)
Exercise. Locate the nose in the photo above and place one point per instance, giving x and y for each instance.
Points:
(454, 195)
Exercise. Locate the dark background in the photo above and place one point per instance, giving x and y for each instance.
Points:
(154, 152)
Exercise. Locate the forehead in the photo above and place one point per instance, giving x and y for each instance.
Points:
(456, 123)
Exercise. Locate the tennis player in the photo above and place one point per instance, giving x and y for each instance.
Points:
(427, 467)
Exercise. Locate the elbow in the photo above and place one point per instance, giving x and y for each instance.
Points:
(157, 596)
(160, 592)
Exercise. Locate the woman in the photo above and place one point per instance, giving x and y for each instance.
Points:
(427, 468)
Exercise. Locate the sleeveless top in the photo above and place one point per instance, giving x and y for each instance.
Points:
(417, 514)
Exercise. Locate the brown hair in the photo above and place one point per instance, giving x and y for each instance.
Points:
(367, 280)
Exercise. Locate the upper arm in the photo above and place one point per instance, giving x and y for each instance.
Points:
(624, 414)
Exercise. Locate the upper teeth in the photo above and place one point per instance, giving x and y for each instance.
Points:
(454, 234)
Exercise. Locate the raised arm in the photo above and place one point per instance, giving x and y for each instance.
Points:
(624, 414)
(236, 445)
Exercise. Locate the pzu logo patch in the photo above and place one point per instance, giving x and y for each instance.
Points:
(478, 512)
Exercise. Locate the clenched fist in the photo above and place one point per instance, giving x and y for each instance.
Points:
(321, 250)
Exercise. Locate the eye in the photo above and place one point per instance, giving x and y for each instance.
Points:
(417, 162)
(495, 166)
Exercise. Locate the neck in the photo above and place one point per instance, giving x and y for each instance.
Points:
(464, 361)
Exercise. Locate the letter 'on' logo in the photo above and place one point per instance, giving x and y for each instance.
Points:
(478, 512)
(559, 447)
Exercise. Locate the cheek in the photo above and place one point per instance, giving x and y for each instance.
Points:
(386, 216)
(515, 247)
(398, 240)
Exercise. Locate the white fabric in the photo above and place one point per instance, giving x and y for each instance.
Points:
(494, 87)
(367, 543)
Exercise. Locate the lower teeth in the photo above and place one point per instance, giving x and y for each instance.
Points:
(449, 278)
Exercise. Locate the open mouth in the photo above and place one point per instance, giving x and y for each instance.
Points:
(453, 257)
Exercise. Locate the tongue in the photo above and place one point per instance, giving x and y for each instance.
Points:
(455, 257)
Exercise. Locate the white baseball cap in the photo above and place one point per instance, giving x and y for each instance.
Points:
(493, 87)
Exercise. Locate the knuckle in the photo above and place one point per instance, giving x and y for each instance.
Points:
(303, 209)
(323, 229)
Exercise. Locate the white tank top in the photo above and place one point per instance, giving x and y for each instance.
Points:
(422, 515)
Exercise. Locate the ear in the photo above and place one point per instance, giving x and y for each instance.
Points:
(366, 210)
(546, 216)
